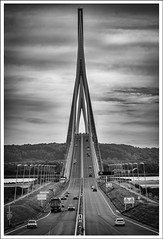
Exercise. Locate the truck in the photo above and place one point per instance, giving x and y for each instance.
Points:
(55, 204)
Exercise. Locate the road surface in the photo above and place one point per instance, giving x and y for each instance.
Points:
(99, 212)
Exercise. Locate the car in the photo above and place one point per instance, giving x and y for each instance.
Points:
(90, 175)
(67, 192)
(71, 207)
(92, 186)
(75, 197)
(119, 221)
(94, 190)
(32, 224)
(63, 198)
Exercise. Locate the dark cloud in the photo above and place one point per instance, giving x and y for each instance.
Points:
(142, 91)
(21, 105)
(122, 61)
(131, 96)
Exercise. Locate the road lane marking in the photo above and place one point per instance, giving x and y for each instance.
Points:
(83, 207)
(77, 215)
(81, 159)
(125, 217)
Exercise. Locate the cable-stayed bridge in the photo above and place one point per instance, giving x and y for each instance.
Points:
(94, 213)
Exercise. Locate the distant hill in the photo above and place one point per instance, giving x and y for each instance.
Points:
(120, 153)
(43, 153)
(110, 153)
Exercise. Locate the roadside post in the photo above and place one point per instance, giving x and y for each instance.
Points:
(9, 216)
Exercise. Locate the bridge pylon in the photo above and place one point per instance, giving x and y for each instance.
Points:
(81, 102)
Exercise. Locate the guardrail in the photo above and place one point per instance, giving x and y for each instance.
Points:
(80, 217)
(94, 159)
(69, 160)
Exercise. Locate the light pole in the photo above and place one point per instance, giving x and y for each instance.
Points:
(25, 165)
(127, 172)
(38, 175)
(41, 175)
(35, 165)
(53, 175)
(116, 172)
(145, 180)
(17, 171)
(48, 173)
(132, 171)
(44, 174)
(123, 172)
(138, 176)
(29, 176)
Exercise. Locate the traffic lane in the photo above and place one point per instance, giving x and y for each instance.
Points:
(139, 228)
(76, 167)
(98, 220)
(48, 225)
(51, 222)
(65, 226)
(105, 216)
(55, 224)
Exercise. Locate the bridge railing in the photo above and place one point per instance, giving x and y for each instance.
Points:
(69, 160)
(94, 158)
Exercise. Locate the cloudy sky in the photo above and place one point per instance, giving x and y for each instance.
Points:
(122, 61)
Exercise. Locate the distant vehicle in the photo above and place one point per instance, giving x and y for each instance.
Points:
(63, 198)
(66, 195)
(90, 175)
(32, 224)
(67, 192)
(94, 190)
(119, 221)
(88, 148)
(75, 197)
(90, 166)
(92, 187)
(62, 180)
(71, 207)
(88, 155)
(55, 204)
(74, 161)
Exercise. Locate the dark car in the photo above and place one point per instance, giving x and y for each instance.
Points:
(75, 197)
(71, 207)
(63, 198)
(94, 190)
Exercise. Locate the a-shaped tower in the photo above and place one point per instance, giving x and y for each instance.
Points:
(81, 101)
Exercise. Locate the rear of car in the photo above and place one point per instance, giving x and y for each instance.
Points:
(55, 204)
(71, 207)
(119, 222)
(75, 197)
